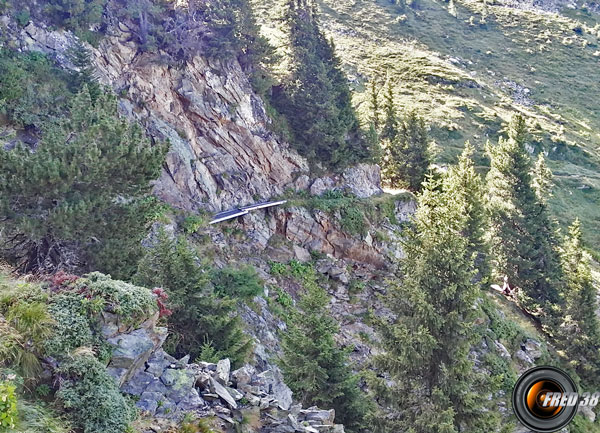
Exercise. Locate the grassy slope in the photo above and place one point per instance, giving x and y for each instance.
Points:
(455, 72)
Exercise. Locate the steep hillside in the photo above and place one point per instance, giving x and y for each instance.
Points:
(468, 71)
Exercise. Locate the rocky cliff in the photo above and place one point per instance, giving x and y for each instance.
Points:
(222, 151)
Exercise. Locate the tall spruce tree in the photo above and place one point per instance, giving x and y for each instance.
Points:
(374, 104)
(431, 385)
(581, 328)
(317, 102)
(314, 367)
(390, 122)
(521, 231)
(462, 180)
(82, 198)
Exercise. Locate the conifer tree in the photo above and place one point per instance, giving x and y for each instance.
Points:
(432, 386)
(317, 102)
(408, 156)
(462, 180)
(581, 328)
(81, 58)
(390, 123)
(521, 231)
(83, 191)
(374, 105)
(314, 367)
(201, 324)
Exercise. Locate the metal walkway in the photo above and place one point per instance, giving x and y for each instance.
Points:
(234, 213)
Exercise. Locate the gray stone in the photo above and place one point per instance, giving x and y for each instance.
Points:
(325, 417)
(157, 363)
(191, 402)
(223, 371)
(132, 350)
(302, 183)
(363, 180)
(166, 409)
(301, 254)
(138, 383)
(523, 359)
(321, 185)
(533, 348)
(504, 353)
(271, 382)
(588, 412)
(234, 393)
(243, 375)
(222, 393)
(149, 401)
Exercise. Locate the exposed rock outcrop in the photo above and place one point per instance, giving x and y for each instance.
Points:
(222, 152)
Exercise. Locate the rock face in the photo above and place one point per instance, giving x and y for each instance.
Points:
(222, 152)
(131, 348)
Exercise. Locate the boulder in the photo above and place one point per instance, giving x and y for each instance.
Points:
(501, 349)
(132, 350)
(363, 180)
(223, 393)
(322, 185)
(317, 416)
(223, 371)
(533, 348)
(271, 382)
(243, 375)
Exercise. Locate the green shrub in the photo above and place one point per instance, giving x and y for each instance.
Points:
(32, 90)
(353, 221)
(76, 15)
(25, 327)
(193, 223)
(76, 307)
(93, 398)
(8, 406)
(243, 282)
(22, 17)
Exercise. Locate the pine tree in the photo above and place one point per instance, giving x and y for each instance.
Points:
(374, 105)
(201, 322)
(431, 385)
(390, 123)
(581, 328)
(84, 189)
(408, 156)
(81, 58)
(317, 102)
(314, 367)
(462, 180)
(522, 236)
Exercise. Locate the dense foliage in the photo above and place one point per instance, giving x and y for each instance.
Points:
(316, 99)
(237, 283)
(84, 189)
(93, 397)
(314, 367)
(32, 91)
(522, 236)
(202, 323)
(427, 344)
(8, 406)
(404, 155)
(580, 329)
